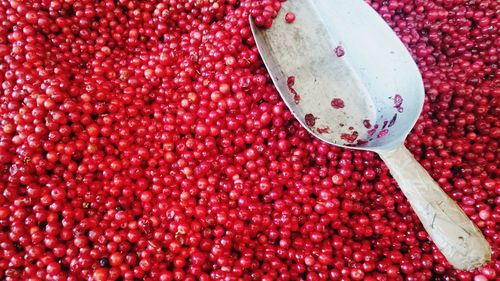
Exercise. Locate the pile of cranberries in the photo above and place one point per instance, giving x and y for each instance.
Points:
(144, 140)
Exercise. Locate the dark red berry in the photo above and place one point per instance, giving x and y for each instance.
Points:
(337, 103)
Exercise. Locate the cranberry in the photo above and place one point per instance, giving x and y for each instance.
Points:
(290, 17)
(337, 103)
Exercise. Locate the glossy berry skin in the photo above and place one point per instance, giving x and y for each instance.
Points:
(144, 140)
(290, 17)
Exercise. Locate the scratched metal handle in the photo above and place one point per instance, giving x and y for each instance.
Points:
(460, 241)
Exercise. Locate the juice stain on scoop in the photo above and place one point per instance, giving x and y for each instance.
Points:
(361, 142)
(325, 130)
(393, 120)
(385, 124)
(372, 131)
(290, 82)
(350, 138)
(398, 102)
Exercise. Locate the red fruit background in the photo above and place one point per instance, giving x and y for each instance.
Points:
(144, 139)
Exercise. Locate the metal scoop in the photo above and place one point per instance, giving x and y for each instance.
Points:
(350, 82)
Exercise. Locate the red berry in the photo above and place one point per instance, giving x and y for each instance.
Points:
(337, 103)
(290, 17)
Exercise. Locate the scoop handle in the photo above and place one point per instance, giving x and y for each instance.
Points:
(456, 236)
